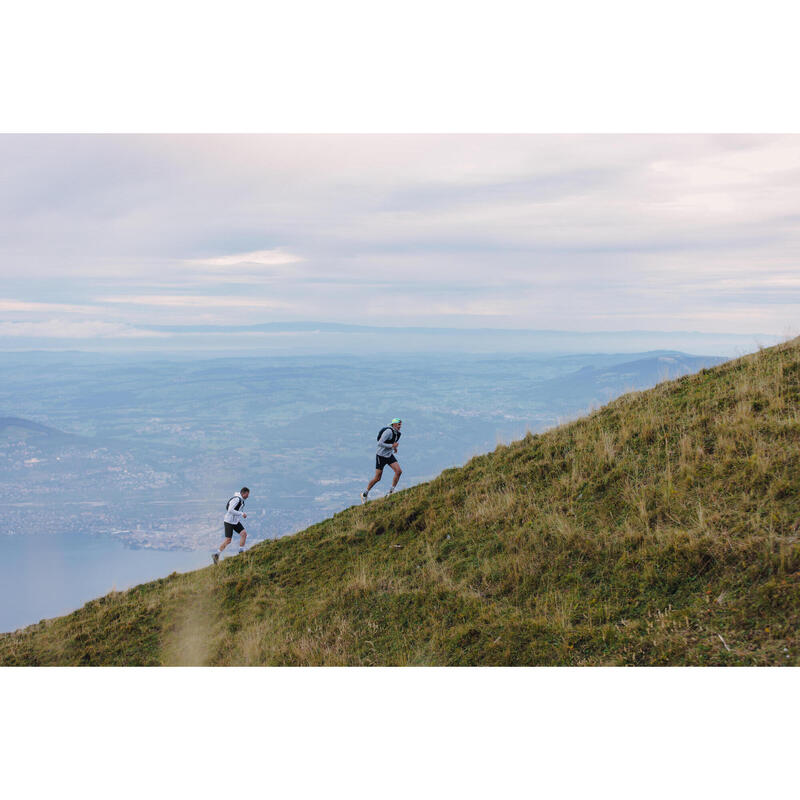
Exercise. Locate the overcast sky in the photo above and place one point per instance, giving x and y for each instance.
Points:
(107, 235)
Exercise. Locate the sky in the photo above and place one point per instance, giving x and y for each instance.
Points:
(108, 237)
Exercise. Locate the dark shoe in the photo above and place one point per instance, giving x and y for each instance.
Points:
(215, 558)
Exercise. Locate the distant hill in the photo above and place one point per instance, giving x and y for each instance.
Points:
(661, 529)
(17, 429)
(603, 383)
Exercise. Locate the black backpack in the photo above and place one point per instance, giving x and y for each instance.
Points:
(239, 507)
(389, 428)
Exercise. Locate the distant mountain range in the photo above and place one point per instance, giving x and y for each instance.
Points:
(314, 337)
(605, 382)
(18, 429)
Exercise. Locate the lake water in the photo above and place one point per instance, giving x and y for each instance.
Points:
(48, 575)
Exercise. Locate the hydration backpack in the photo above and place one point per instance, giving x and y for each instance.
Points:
(389, 428)
(239, 507)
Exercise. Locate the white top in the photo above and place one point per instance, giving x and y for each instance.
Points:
(235, 508)
(388, 438)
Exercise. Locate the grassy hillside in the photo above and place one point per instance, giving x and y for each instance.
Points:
(661, 529)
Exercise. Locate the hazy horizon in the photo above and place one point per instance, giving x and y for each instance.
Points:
(325, 338)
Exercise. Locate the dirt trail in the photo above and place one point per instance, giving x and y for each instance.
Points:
(190, 643)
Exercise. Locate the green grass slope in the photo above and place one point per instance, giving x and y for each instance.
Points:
(661, 529)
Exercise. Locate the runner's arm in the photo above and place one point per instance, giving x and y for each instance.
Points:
(384, 440)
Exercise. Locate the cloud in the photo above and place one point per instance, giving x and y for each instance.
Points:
(521, 230)
(23, 305)
(268, 258)
(195, 301)
(766, 282)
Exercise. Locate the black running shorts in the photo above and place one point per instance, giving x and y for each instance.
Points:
(230, 528)
(384, 461)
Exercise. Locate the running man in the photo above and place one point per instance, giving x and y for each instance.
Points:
(233, 522)
(388, 439)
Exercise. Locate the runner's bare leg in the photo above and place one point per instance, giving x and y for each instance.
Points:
(397, 473)
(378, 476)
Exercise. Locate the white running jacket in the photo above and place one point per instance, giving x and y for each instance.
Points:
(235, 509)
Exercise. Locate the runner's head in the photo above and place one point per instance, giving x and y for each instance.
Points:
(244, 492)
(397, 423)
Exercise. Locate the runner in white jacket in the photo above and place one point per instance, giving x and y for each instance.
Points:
(234, 515)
